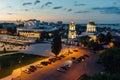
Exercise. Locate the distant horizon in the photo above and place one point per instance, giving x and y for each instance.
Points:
(79, 11)
(64, 22)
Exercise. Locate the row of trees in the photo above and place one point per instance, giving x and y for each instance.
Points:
(97, 43)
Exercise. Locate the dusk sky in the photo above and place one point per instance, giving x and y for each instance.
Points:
(79, 11)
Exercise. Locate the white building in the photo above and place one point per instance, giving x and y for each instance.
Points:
(91, 28)
(32, 23)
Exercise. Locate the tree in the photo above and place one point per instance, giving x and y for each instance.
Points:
(56, 43)
(84, 77)
(108, 37)
(4, 50)
(101, 38)
(111, 60)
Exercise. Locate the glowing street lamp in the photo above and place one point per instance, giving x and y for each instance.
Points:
(94, 38)
(111, 44)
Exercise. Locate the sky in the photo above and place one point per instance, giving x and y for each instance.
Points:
(79, 11)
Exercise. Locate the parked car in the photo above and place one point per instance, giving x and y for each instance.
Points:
(52, 59)
(33, 67)
(83, 58)
(62, 56)
(73, 58)
(79, 60)
(39, 66)
(75, 50)
(27, 71)
(61, 69)
(45, 63)
(58, 58)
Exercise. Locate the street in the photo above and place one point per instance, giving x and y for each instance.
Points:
(89, 66)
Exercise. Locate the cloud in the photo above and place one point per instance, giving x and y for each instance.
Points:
(108, 10)
(82, 12)
(9, 6)
(75, 2)
(46, 4)
(36, 2)
(26, 9)
(57, 7)
(69, 10)
(29, 3)
(10, 13)
(65, 9)
(79, 4)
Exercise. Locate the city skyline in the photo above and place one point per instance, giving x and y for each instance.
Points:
(79, 11)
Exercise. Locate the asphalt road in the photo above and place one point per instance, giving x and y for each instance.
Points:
(89, 66)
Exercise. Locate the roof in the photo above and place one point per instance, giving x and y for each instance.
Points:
(91, 22)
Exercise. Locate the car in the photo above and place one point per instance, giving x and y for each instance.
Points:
(73, 58)
(61, 69)
(58, 58)
(39, 66)
(33, 67)
(66, 67)
(62, 56)
(83, 58)
(75, 50)
(27, 71)
(52, 59)
(44, 63)
(79, 59)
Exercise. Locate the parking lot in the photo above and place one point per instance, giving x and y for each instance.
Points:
(51, 72)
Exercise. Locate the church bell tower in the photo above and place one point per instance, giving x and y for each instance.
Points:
(72, 31)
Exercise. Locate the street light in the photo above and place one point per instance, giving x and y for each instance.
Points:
(111, 44)
(94, 38)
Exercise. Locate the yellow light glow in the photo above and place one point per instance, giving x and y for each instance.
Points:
(111, 44)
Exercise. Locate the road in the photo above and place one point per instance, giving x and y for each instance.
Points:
(89, 66)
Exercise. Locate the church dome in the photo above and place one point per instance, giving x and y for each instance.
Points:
(91, 22)
(91, 27)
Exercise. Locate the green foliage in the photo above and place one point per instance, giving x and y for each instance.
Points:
(84, 77)
(111, 60)
(106, 76)
(56, 43)
(10, 62)
(108, 37)
(2, 52)
(84, 40)
(101, 38)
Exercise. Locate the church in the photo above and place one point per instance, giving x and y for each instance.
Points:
(90, 29)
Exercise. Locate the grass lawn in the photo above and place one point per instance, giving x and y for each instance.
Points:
(10, 62)
(2, 52)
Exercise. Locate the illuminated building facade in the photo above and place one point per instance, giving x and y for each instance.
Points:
(35, 32)
(72, 31)
(91, 27)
